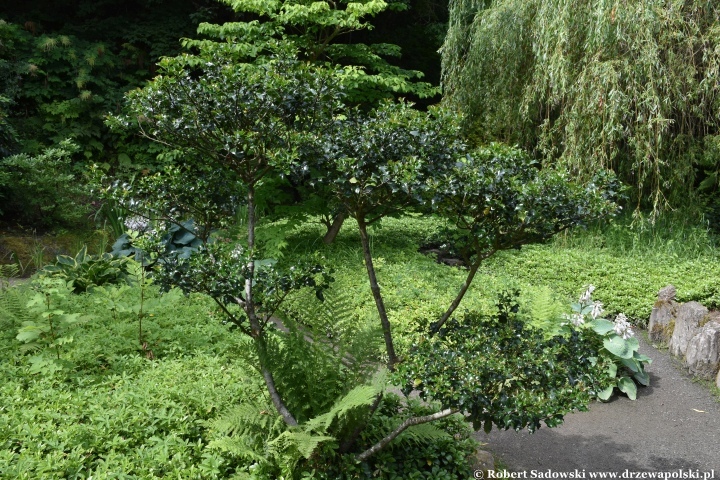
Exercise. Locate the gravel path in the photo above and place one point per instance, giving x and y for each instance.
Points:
(674, 424)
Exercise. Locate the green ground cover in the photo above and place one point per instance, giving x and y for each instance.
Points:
(628, 265)
(125, 410)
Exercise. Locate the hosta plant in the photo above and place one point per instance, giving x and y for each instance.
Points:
(619, 345)
(86, 271)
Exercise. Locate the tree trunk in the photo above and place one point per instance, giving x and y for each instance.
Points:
(392, 358)
(334, 229)
(455, 303)
(277, 400)
(256, 331)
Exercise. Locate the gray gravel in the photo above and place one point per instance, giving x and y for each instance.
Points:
(674, 424)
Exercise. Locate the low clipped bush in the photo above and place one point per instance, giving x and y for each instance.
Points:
(432, 451)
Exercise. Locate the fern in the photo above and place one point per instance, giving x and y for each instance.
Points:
(247, 417)
(360, 396)
(293, 442)
(543, 310)
(256, 433)
(424, 433)
(6, 272)
(335, 323)
(246, 430)
(13, 309)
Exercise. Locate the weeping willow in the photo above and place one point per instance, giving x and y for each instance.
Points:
(630, 85)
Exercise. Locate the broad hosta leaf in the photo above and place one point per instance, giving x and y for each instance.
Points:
(627, 386)
(631, 364)
(642, 358)
(605, 394)
(618, 346)
(602, 326)
(642, 377)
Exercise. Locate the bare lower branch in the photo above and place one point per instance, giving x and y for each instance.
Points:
(404, 426)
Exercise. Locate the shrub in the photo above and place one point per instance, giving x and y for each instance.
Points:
(502, 372)
(42, 190)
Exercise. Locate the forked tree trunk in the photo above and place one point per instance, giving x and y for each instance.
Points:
(387, 334)
(334, 229)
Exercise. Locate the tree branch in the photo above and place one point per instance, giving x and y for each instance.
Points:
(404, 426)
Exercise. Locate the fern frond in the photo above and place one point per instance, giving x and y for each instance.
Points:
(13, 310)
(335, 324)
(543, 310)
(360, 396)
(239, 447)
(424, 433)
(8, 271)
(380, 380)
(246, 418)
(291, 441)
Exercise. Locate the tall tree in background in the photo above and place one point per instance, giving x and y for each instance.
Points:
(626, 85)
(320, 31)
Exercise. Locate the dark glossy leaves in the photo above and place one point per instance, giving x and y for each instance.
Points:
(499, 198)
(501, 372)
(378, 163)
(247, 118)
(220, 270)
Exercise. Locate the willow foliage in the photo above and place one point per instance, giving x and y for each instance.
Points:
(630, 85)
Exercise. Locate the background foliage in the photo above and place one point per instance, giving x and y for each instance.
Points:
(625, 85)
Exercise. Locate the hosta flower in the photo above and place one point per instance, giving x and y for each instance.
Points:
(137, 223)
(237, 253)
(597, 310)
(576, 319)
(587, 296)
(622, 326)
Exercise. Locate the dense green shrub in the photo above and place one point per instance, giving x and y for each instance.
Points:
(504, 372)
(43, 190)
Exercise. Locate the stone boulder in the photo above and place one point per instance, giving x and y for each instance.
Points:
(482, 462)
(717, 380)
(703, 351)
(687, 324)
(662, 318)
(667, 294)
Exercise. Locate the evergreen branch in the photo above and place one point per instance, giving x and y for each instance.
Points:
(404, 426)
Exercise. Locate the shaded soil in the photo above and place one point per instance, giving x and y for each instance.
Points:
(30, 251)
(442, 255)
(674, 424)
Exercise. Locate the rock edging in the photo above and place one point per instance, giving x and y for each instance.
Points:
(690, 331)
